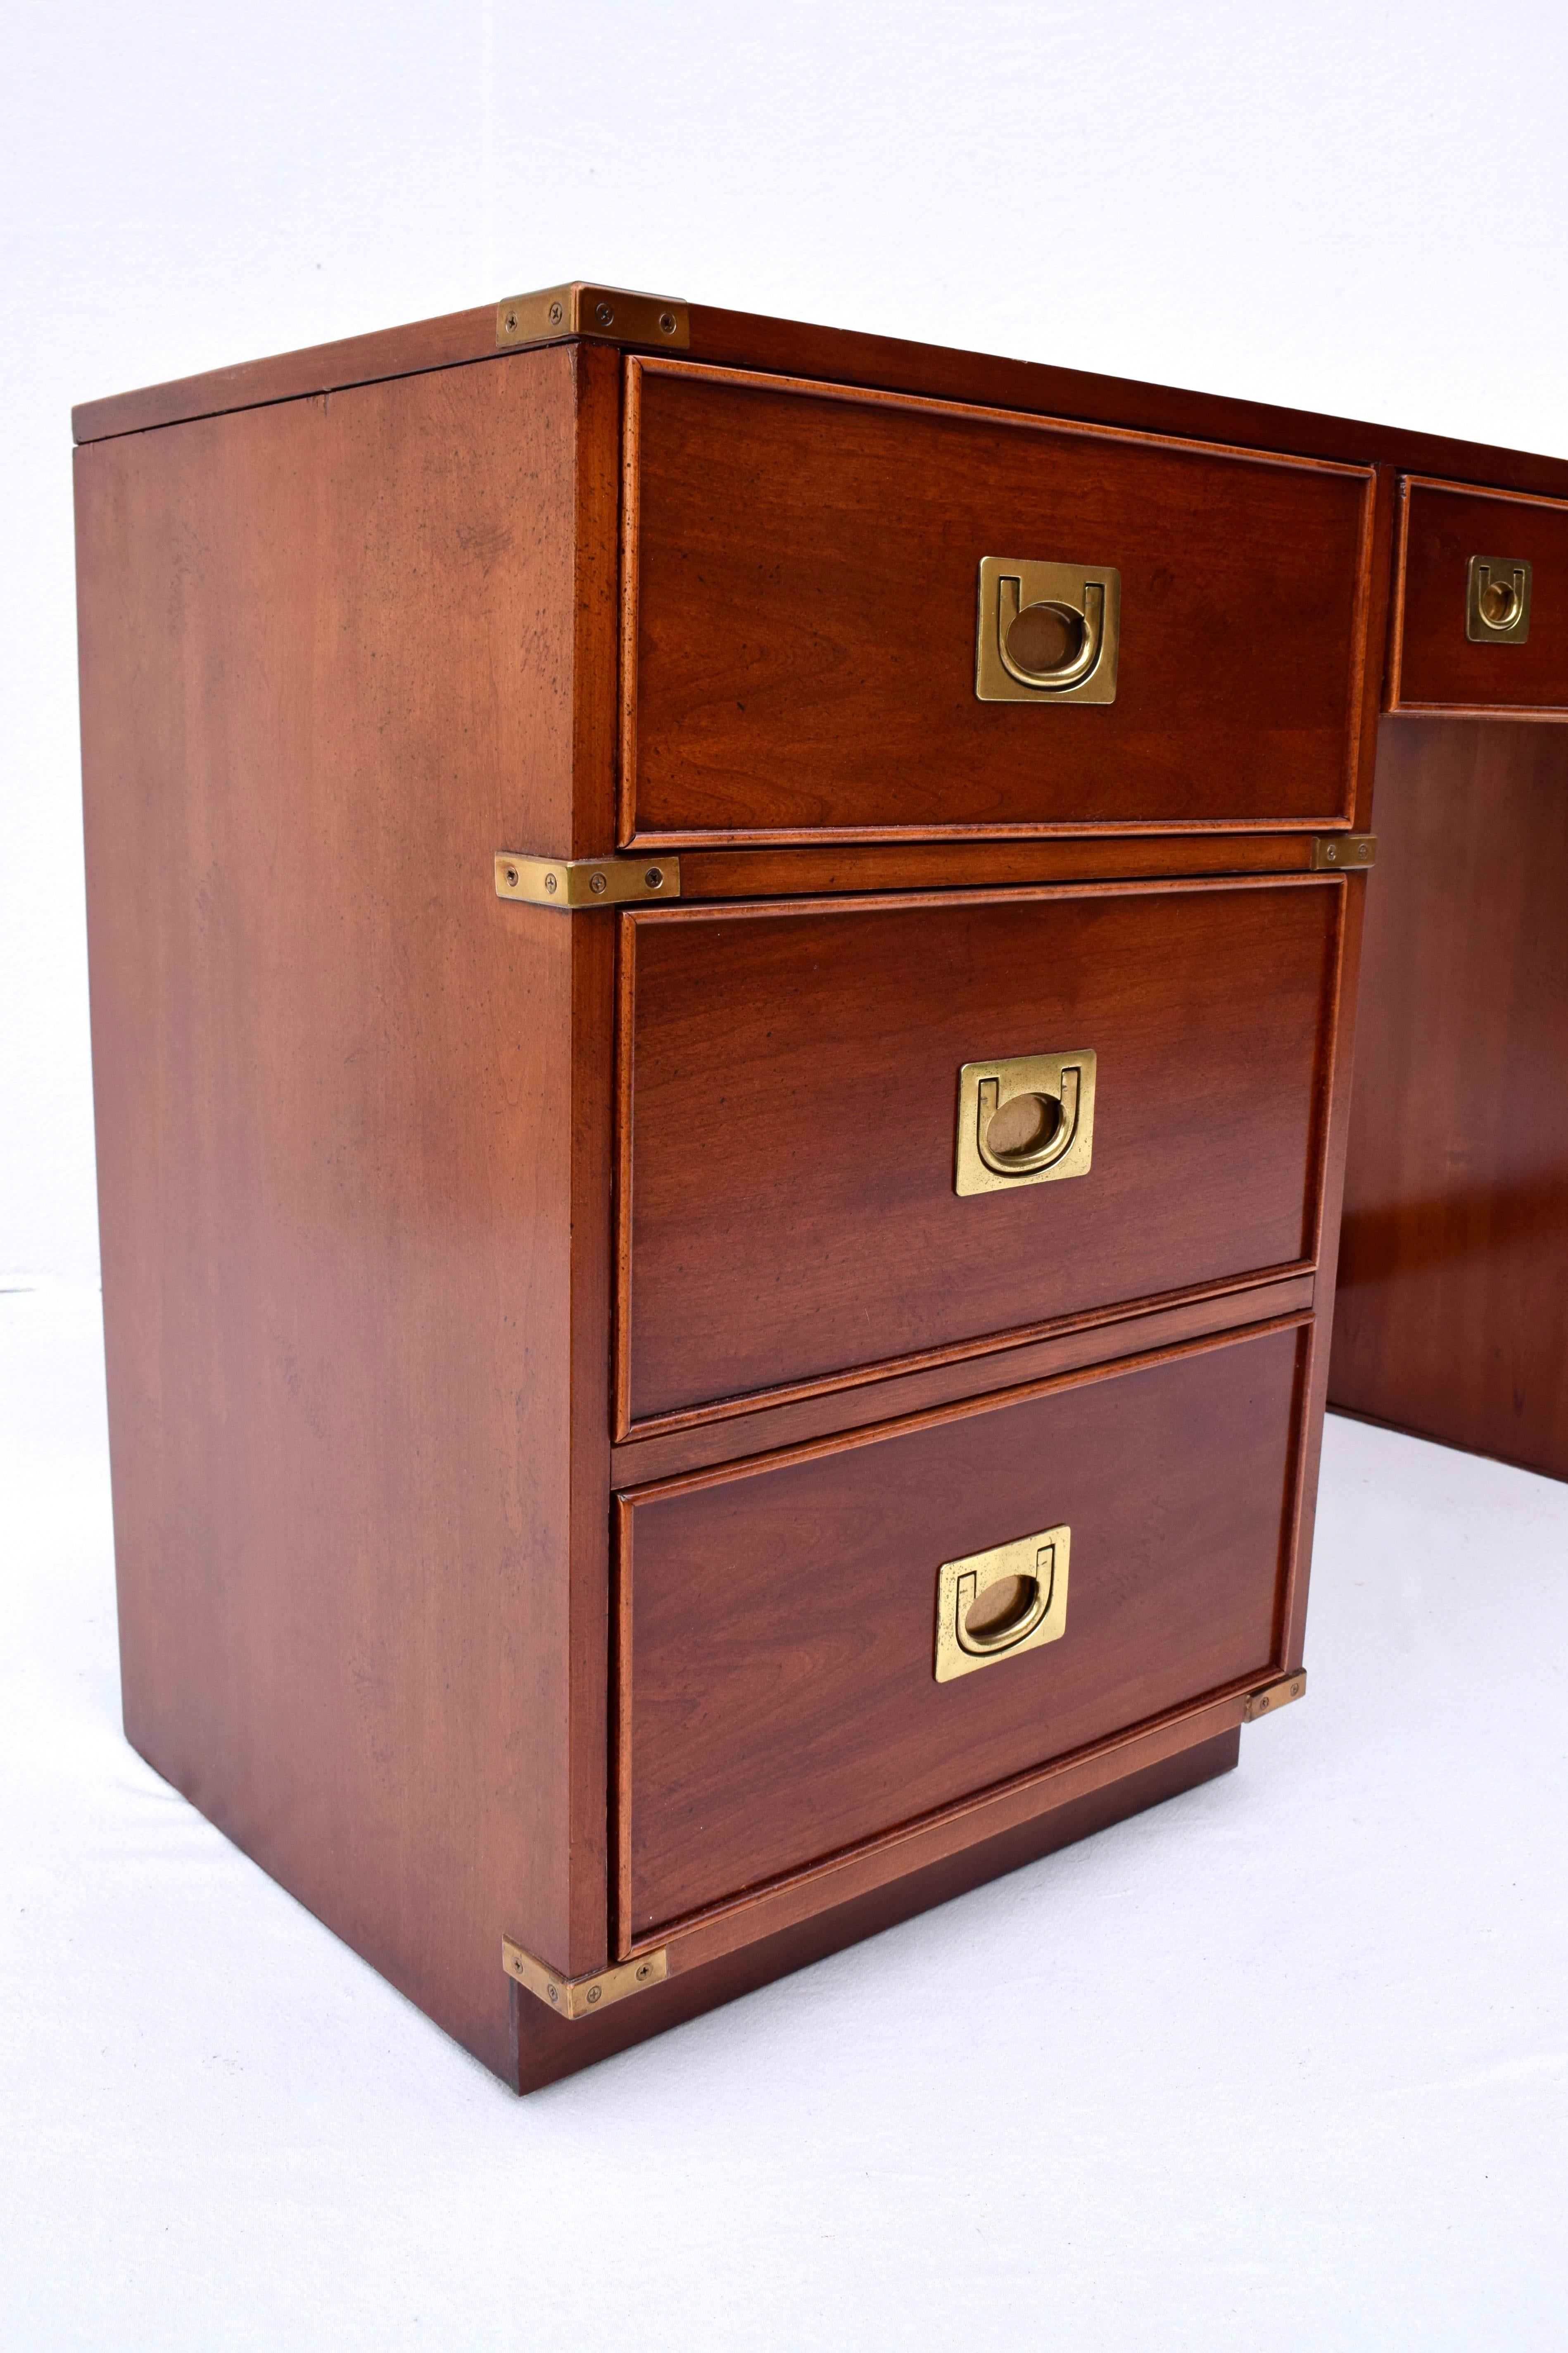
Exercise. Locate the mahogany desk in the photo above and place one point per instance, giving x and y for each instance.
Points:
(723, 964)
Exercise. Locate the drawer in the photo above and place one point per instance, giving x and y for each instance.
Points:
(1462, 641)
(793, 1102)
(802, 575)
(779, 1699)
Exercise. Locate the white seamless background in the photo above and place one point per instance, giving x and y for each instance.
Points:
(1287, 2059)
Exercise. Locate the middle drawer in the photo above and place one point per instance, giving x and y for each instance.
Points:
(792, 1100)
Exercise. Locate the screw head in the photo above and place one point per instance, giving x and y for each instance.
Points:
(598, 885)
(645, 1971)
(654, 876)
(553, 1995)
(550, 882)
(510, 322)
(595, 1991)
(604, 315)
(556, 315)
(510, 875)
(668, 322)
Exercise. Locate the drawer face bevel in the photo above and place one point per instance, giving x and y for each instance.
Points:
(1438, 664)
(789, 1085)
(800, 576)
(777, 1700)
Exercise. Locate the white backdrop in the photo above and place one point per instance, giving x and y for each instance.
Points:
(1324, 203)
(1308, 2091)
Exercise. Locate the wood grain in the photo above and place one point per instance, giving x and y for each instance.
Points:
(1453, 1302)
(1094, 1338)
(329, 661)
(789, 1082)
(780, 1703)
(1433, 665)
(743, 338)
(964, 863)
(800, 575)
(546, 2049)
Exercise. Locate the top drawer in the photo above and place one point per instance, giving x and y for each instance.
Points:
(802, 580)
(1464, 637)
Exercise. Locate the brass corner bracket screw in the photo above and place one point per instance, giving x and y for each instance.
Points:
(556, 315)
(510, 322)
(604, 315)
(667, 321)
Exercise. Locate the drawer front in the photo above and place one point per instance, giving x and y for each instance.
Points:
(1446, 656)
(792, 1091)
(802, 583)
(779, 1698)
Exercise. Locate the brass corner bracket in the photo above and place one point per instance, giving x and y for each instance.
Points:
(1274, 1696)
(577, 882)
(610, 314)
(575, 1998)
(1346, 853)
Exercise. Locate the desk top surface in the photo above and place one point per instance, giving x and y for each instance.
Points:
(741, 339)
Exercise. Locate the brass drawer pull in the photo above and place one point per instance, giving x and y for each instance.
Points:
(1029, 1581)
(993, 1155)
(1046, 632)
(1497, 600)
(1084, 626)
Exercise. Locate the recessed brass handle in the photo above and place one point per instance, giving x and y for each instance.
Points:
(1046, 632)
(1058, 1090)
(1087, 628)
(1029, 1579)
(1030, 1160)
(1497, 600)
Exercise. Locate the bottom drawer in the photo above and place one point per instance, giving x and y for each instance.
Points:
(779, 1694)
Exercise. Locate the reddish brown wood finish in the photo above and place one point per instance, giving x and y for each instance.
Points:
(778, 1698)
(741, 339)
(331, 654)
(1453, 1311)
(958, 864)
(790, 1079)
(836, 1879)
(357, 1127)
(1335, 1114)
(1092, 1339)
(800, 585)
(1433, 665)
(546, 2049)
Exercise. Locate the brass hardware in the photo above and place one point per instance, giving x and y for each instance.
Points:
(1497, 600)
(1037, 1567)
(609, 313)
(1046, 632)
(1274, 1696)
(1061, 1146)
(1345, 851)
(574, 883)
(575, 1998)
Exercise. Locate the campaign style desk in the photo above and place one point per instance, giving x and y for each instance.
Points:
(723, 959)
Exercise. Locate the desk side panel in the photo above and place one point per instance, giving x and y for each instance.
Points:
(328, 654)
(1453, 1289)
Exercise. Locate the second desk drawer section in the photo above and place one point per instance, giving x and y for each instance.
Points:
(792, 1102)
